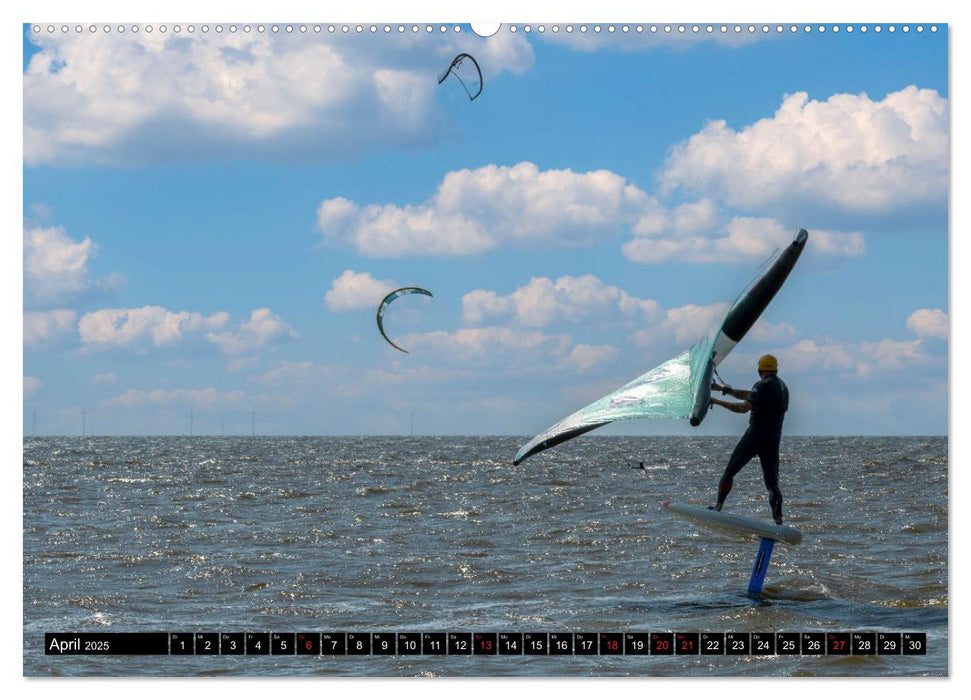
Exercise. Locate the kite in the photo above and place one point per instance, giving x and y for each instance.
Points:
(466, 71)
(384, 305)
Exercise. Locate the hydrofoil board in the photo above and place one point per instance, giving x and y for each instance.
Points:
(737, 524)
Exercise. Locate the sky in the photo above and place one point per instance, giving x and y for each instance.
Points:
(210, 220)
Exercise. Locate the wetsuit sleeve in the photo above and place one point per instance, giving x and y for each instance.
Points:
(757, 394)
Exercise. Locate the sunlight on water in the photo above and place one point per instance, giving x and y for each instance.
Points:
(444, 534)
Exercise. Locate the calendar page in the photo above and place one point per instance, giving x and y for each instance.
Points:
(531, 349)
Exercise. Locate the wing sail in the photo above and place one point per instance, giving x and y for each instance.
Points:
(664, 392)
(746, 310)
(680, 387)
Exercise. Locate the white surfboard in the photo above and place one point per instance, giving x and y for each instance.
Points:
(737, 524)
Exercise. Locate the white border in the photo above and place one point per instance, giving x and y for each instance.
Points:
(602, 11)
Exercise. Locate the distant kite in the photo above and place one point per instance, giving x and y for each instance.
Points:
(466, 70)
(387, 300)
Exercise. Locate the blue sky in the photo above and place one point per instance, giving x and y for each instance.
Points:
(211, 220)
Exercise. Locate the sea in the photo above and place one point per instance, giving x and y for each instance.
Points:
(444, 535)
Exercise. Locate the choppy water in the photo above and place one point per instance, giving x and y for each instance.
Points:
(399, 534)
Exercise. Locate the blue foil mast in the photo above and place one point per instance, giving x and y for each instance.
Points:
(761, 566)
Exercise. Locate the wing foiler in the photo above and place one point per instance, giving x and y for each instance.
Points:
(680, 387)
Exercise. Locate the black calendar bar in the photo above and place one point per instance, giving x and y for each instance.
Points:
(490, 644)
(536, 643)
(687, 642)
(106, 643)
(308, 643)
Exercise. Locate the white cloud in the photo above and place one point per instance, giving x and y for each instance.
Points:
(152, 325)
(41, 327)
(262, 328)
(31, 385)
(503, 50)
(208, 397)
(765, 332)
(849, 152)
(491, 346)
(241, 363)
(480, 304)
(56, 266)
(807, 355)
(505, 349)
(887, 354)
(355, 291)
(583, 358)
(40, 212)
(288, 371)
(543, 302)
(475, 211)
(699, 233)
(861, 359)
(681, 327)
(928, 323)
(345, 382)
(684, 325)
(383, 379)
(104, 378)
(149, 96)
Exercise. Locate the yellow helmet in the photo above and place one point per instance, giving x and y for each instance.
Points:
(768, 363)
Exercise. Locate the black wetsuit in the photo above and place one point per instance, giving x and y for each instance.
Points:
(770, 401)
